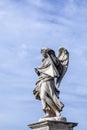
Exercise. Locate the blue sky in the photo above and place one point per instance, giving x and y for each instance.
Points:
(25, 27)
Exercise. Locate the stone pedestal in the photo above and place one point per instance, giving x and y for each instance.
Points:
(52, 125)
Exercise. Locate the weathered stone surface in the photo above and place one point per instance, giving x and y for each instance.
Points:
(50, 74)
(52, 125)
(63, 119)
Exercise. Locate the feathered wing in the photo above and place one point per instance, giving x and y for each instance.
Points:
(63, 57)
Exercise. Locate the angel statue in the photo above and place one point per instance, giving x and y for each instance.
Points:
(50, 75)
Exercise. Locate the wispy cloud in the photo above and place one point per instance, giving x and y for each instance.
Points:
(25, 27)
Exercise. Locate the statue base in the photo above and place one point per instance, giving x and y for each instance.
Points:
(63, 119)
(52, 125)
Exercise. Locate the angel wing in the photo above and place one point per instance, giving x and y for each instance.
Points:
(63, 57)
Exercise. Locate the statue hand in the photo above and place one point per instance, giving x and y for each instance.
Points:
(36, 70)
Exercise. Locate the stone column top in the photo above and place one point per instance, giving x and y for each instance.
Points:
(51, 124)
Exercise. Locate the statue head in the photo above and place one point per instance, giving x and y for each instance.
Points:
(43, 52)
(47, 51)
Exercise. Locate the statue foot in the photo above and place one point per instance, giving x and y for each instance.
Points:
(59, 118)
(56, 118)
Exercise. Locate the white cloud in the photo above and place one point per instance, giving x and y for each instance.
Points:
(26, 26)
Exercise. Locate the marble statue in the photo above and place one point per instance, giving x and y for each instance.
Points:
(50, 74)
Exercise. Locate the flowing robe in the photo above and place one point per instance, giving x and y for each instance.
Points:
(46, 84)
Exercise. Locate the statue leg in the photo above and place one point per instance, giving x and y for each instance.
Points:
(48, 103)
(43, 97)
(53, 106)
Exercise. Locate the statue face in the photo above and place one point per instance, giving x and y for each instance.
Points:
(43, 52)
